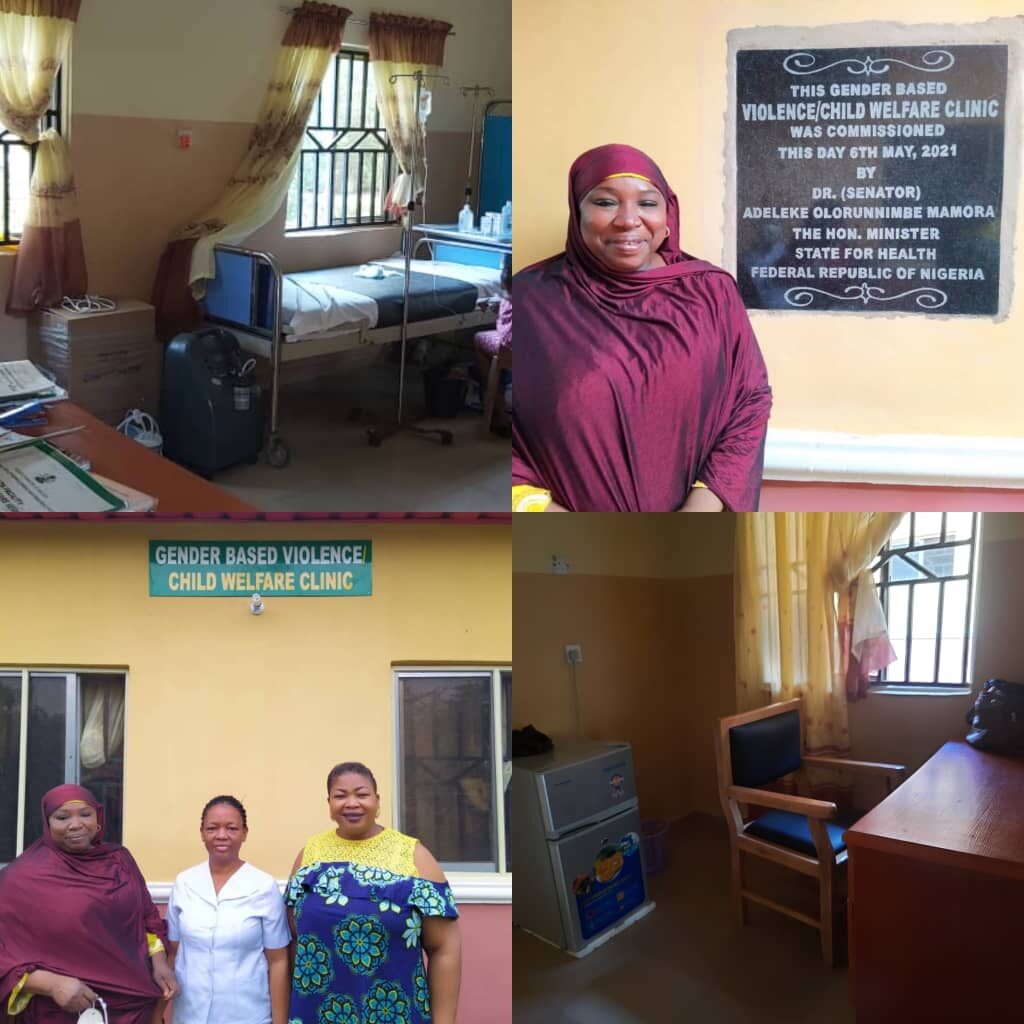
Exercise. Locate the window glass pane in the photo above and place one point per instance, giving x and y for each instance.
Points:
(958, 525)
(954, 625)
(926, 621)
(101, 746)
(901, 569)
(901, 535)
(940, 561)
(10, 735)
(447, 768)
(897, 619)
(19, 162)
(927, 527)
(506, 744)
(47, 724)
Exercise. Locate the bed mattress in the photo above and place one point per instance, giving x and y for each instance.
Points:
(315, 301)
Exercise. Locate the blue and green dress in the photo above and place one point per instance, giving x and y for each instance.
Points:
(359, 907)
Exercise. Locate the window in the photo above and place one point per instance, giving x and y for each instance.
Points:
(58, 727)
(346, 162)
(925, 577)
(454, 764)
(16, 161)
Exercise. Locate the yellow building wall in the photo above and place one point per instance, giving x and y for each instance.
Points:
(221, 701)
(587, 72)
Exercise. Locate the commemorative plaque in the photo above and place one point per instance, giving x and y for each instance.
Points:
(870, 178)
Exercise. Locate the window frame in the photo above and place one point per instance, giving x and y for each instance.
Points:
(350, 56)
(53, 117)
(879, 681)
(73, 678)
(501, 754)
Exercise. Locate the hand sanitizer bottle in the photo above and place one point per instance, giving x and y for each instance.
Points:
(466, 218)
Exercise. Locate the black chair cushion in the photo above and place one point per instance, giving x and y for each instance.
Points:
(765, 750)
(792, 830)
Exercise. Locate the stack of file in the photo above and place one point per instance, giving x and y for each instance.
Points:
(22, 382)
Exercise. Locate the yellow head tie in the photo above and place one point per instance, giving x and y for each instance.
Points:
(629, 174)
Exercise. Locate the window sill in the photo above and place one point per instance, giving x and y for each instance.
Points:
(337, 232)
(467, 887)
(921, 691)
(927, 460)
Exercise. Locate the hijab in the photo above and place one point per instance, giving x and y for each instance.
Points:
(82, 914)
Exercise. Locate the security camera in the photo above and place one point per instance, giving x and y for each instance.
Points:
(256, 604)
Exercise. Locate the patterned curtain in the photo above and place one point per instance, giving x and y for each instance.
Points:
(35, 36)
(794, 573)
(259, 186)
(402, 46)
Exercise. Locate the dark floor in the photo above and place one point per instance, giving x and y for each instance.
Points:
(688, 960)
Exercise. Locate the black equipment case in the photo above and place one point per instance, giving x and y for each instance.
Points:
(211, 412)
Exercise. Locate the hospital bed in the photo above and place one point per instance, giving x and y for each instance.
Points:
(287, 319)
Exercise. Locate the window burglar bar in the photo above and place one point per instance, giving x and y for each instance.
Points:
(913, 555)
(345, 143)
(10, 149)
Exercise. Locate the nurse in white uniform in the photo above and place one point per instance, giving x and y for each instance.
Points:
(228, 931)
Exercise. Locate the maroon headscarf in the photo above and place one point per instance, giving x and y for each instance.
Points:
(84, 915)
(631, 386)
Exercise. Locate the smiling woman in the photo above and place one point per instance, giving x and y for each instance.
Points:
(366, 902)
(639, 383)
(77, 923)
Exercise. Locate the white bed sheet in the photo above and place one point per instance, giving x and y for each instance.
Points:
(320, 304)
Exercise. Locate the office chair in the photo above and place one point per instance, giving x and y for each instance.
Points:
(759, 747)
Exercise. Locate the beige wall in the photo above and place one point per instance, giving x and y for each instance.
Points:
(142, 69)
(658, 662)
(649, 545)
(658, 81)
(649, 599)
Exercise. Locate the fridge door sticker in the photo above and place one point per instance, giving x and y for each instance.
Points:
(615, 781)
(613, 888)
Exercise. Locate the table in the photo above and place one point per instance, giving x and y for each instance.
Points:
(115, 456)
(472, 239)
(936, 894)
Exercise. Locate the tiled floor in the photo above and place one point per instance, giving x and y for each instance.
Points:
(333, 469)
(687, 961)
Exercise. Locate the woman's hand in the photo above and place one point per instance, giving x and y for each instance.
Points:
(71, 994)
(163, 975)
(555, 507)
(700, 499)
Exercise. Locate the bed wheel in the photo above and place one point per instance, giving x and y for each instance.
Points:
(373, 438)
(278, 454)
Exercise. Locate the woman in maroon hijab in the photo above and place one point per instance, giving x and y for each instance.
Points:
(77, 923)
(639, 383)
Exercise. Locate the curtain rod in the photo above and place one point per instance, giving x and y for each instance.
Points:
(349, 21)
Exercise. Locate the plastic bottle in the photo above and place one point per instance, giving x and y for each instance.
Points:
(506, 218)
(466, 218)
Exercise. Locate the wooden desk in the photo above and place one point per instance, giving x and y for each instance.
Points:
(128, 462)
(936, 898)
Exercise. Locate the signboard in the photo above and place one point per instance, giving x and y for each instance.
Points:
(870, 178)
(334, 568)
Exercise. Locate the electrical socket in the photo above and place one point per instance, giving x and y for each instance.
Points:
(573, 654)
(559, 565)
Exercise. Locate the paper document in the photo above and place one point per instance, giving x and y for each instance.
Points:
(21, 379)
(38, 478)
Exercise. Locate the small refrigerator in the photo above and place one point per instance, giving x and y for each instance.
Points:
(579, 875)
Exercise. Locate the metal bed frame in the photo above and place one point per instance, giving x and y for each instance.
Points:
(270, 344)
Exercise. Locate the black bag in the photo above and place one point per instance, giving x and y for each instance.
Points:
(997, 718)
(527, 742)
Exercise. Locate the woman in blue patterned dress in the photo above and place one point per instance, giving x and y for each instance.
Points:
(366, 902)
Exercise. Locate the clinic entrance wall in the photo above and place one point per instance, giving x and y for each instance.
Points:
(223, 701)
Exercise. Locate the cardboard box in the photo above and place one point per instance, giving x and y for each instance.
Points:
(109, 361)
